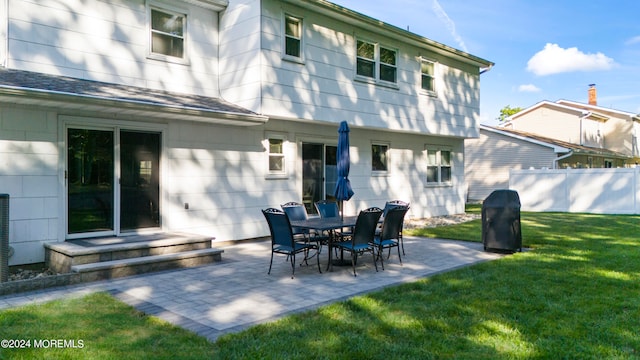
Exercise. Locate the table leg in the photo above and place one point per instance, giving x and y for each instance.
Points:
(330, 250)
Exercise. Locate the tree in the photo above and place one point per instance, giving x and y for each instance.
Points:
(507, 111)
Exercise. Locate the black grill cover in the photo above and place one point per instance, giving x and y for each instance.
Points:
(501, 221)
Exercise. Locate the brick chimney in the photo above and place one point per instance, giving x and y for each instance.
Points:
(593, 96)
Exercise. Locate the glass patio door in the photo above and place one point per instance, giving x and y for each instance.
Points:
(90, 181)
(97, 203)
(319, 174)
(139, 180)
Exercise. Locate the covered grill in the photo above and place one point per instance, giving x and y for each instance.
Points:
(501, 221)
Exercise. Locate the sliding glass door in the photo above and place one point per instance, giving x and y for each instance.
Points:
(319, 174)
(113, 181)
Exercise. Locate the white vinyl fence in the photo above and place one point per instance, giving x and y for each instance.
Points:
(599, 191)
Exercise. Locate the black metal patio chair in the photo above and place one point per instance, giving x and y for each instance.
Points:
(394, 204)
(297, 211)
(283, 240)
(327, 208)
(361, 240)
(390, 234)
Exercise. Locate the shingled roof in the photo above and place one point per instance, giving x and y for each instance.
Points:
(36, 88)
(576, 148)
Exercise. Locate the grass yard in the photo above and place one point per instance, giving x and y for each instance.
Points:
(575, 295)
(100, 327)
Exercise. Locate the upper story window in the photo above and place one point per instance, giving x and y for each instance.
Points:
(428, 78)
(438, 166)
(293, 37)
(380, 157)
(168, 31)
(376, 62)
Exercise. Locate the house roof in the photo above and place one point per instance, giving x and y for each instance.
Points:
(560, 106)
(32, 88)
(558, 146)
(377, 26)
(593, 112)
(599, 109)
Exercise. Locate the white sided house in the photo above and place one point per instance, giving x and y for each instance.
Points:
(583, 124)
(146, 116)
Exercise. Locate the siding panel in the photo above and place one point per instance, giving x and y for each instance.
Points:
(490, 158)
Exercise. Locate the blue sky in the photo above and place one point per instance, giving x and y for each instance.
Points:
(542, 50)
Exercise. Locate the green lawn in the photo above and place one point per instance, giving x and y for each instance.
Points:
(95, 327)
(574, 295)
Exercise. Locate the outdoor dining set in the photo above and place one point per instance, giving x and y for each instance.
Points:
(373, 230)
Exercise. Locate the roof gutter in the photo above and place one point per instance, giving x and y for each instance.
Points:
(486, 69)
(336, 11)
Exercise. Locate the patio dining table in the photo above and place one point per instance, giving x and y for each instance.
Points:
(326, 224)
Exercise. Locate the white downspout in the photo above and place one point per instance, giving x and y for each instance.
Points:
(556, 160)
(4, 33)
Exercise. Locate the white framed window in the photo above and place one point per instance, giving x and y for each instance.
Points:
(428, 76)
(275, 145)
(379, 158)
(376, 62)
(167, 34)
(438, 166)
(293, 45)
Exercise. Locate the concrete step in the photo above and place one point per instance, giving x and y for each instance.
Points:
(61, 257)
(134, 266)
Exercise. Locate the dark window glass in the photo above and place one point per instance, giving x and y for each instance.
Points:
(379, 157)
(292, 47)
(387, 73)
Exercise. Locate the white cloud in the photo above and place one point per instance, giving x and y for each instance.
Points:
(528, 88)
(554, 60)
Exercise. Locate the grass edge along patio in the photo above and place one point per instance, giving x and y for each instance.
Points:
(573, 295)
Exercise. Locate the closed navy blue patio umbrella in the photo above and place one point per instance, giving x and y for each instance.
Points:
(343, 186)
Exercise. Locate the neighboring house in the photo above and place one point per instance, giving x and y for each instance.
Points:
(582, 124)
(133, 116)
(620, 131)
(557, 121)
(489, 158)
